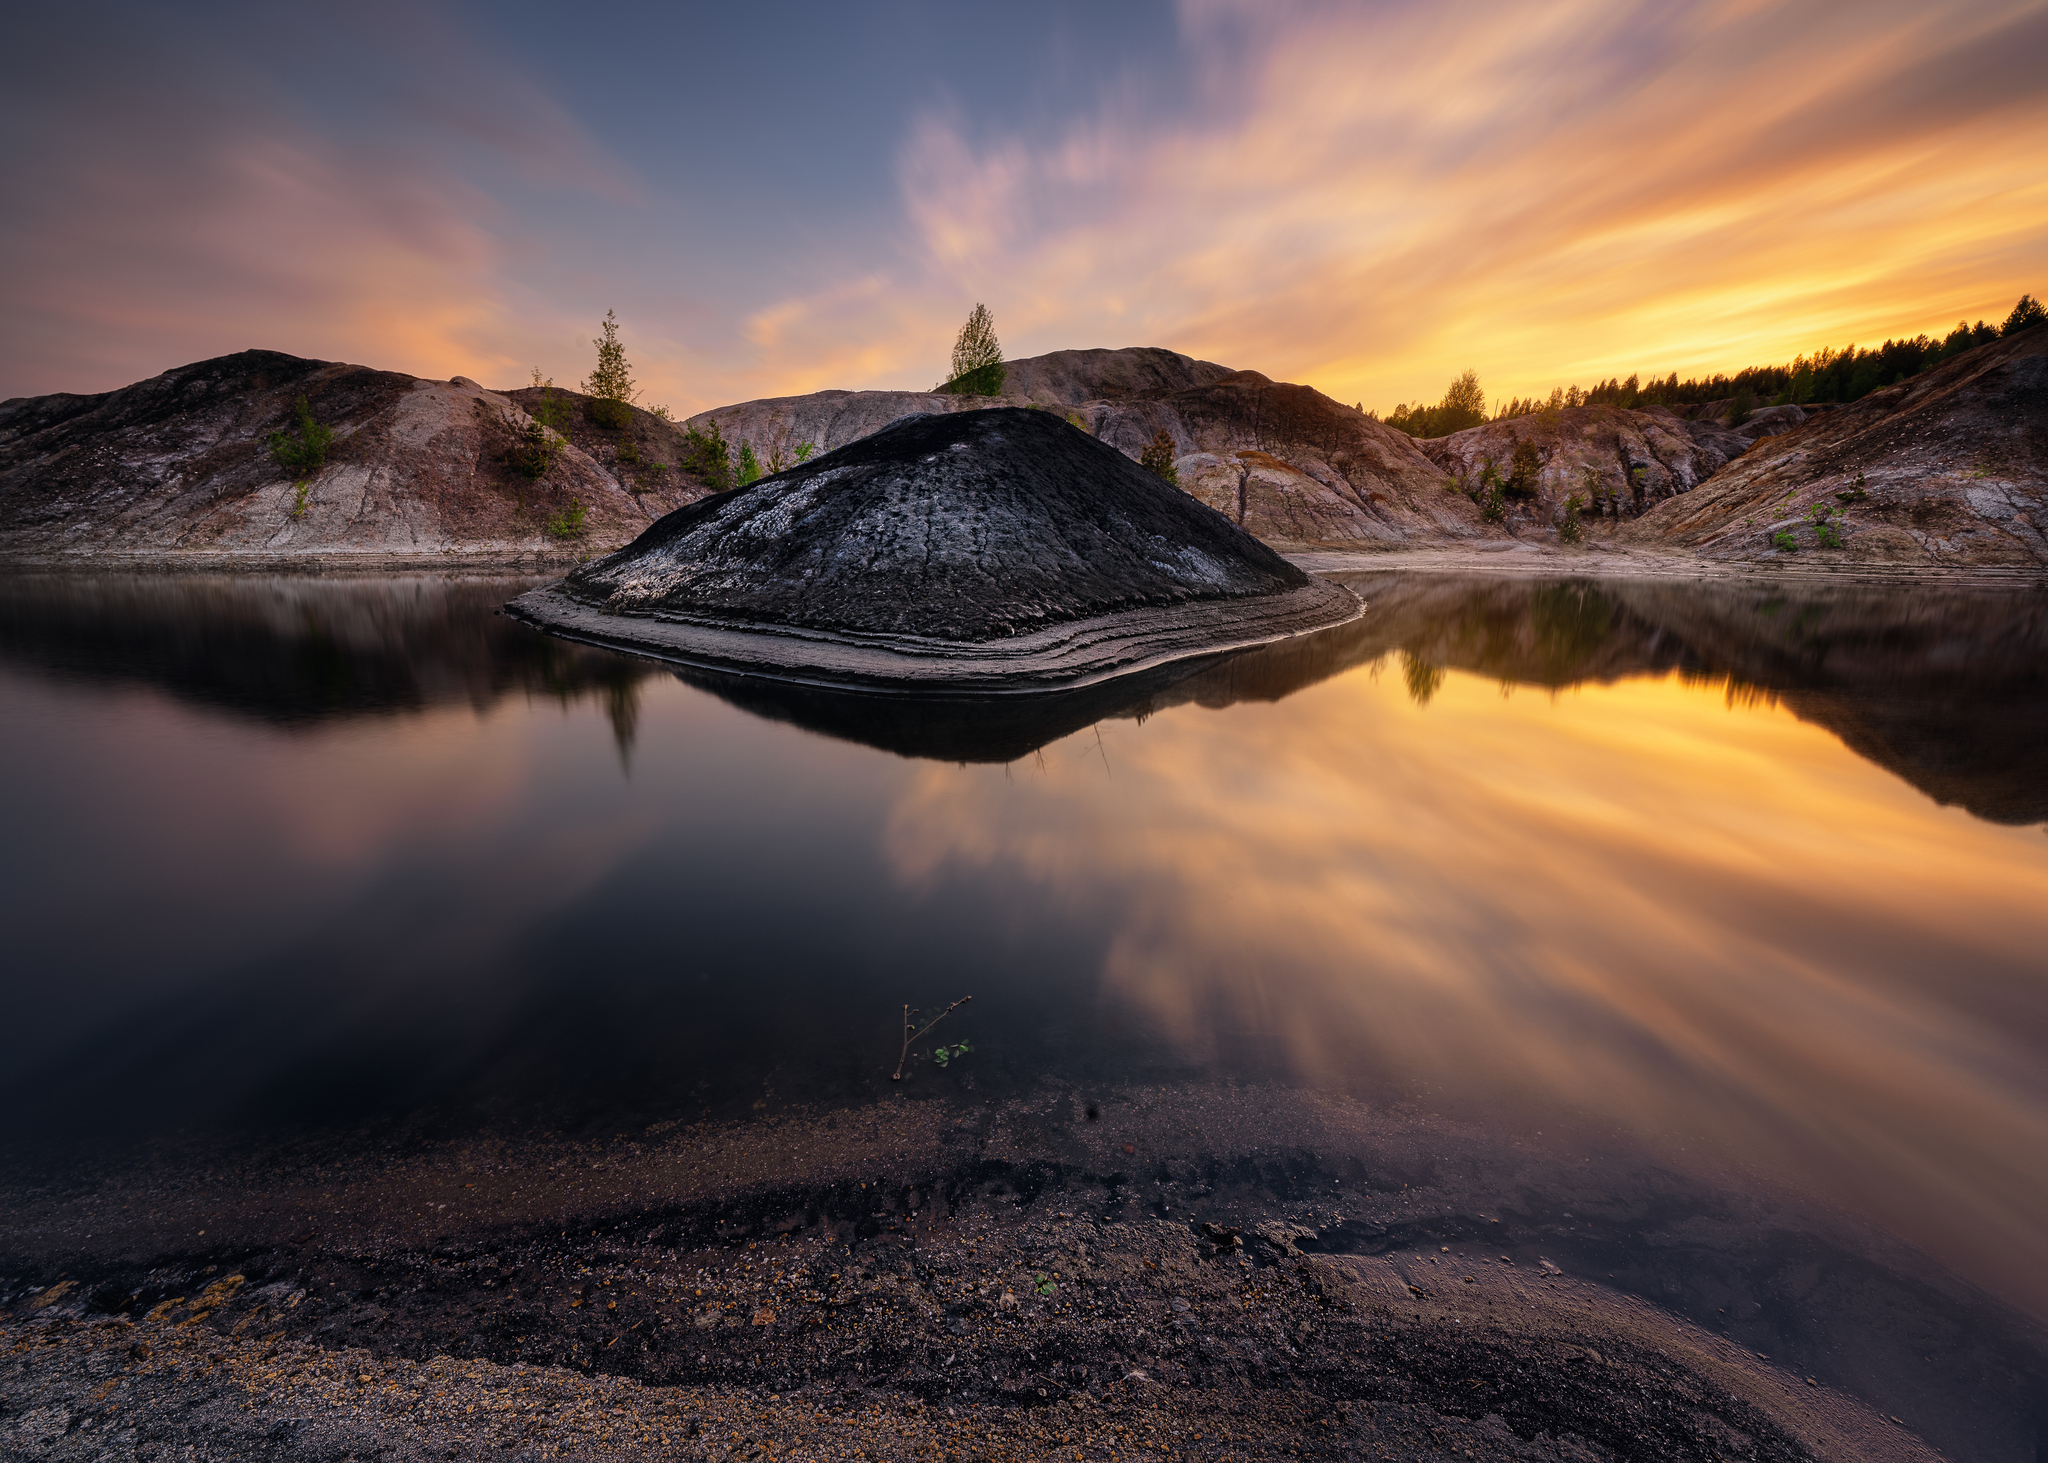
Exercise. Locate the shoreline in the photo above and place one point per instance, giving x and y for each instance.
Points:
(1195, 1272)
(1529, 560)
(1071, 655)
(1515, 558)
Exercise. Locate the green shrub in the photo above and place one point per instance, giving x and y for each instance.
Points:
(1158, 457)
(613, 416)
(569, 522)
(1783, 539)
(307, 447)
(1571, 531)
(541, 440)
(1491, 494)
(1740, 408)
(706, 456)
(779, 463)
(301, 490)
(748, 468)
(1524, 471)
(1828, 527)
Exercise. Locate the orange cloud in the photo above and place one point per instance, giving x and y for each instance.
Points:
(1372, 200)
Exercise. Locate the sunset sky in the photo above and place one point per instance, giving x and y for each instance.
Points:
(779, 198)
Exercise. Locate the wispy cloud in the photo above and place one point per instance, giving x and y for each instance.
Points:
(1368, 199)
(1371, 200)
(168, 204)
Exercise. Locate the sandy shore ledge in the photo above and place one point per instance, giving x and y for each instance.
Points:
(1597, 561)
(1529, 560)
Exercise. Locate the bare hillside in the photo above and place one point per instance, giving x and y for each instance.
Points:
(1950, 468)
(179, 465)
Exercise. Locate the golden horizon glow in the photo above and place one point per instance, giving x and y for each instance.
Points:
(1367, 200)
(1370, 203)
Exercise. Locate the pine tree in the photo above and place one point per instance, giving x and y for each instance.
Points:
(2027, 313)
(307, 450)
(977, 358)
(610, 386)
(1158, 457)
(1524, 471)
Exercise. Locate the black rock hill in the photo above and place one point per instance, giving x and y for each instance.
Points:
(963, 527)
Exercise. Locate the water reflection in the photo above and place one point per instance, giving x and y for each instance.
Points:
(1946, 688)
(297, 651)
(1669, 859)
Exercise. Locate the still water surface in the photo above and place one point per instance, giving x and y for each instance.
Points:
(1754, 879)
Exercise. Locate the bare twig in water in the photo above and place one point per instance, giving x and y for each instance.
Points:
(909, 1037)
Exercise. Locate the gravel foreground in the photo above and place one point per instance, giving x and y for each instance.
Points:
(743, 1293)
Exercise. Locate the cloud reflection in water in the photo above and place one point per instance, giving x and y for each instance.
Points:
(1665, 904)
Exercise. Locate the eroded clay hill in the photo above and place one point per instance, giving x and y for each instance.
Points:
(418, 470)
(1950, 468)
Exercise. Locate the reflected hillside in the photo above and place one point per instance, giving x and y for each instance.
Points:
(1947, 689)
(947, 729)
(296, 650)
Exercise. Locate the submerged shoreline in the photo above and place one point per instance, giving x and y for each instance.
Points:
(1195, 1272)
(1520, 558)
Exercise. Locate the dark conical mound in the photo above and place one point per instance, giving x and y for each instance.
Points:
(997, 550)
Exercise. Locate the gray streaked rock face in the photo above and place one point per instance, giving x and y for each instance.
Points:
(1633, 457)
(964, 527)
(1947, 469)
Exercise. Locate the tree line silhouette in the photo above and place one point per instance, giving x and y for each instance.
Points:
(1826, 376)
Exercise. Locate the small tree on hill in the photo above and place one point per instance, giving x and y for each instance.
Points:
(1523, 471)
(610, 386)
(1464, 405)
(977, 358)
(1158, 457)
(706, 456)
(2026, 314)
(307, 448)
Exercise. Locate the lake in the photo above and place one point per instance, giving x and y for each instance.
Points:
(1749, 883)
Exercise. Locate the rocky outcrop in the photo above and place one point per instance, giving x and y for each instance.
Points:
(999, 549)
(1617, 461)
(1949, 468)
(1135, 373)
(178, 466)
(1767, 421)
